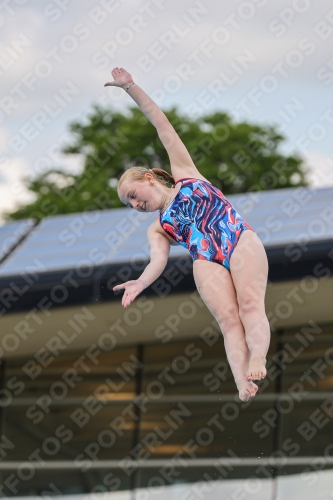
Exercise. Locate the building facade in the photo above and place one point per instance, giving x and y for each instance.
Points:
(140, 402)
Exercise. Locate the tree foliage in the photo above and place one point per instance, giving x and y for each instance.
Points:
(236, 157)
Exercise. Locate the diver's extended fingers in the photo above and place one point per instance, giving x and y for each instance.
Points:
(127, 300)
(119, 287)
(124, 299)
(123, 285)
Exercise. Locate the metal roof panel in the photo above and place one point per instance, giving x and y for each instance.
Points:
(279, 217)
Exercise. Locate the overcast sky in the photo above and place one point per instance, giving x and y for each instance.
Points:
(266, 61)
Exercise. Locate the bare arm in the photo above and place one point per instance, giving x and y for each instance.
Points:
(180, 159)
(159, 253)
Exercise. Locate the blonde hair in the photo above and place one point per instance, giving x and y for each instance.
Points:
(138, 174)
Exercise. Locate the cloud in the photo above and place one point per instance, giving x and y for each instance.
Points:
(12, 189)
(321, 165)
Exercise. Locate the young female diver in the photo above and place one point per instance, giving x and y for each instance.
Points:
(229, 261)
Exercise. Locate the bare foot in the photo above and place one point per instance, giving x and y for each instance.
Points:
(257, 369)
(247, 390)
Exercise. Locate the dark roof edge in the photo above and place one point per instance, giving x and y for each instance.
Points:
(70, 287)
(296, 251)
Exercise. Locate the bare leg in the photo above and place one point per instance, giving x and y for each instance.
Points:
(249, 270)
(216, 288)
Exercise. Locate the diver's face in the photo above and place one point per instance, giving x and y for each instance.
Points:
(140, 195)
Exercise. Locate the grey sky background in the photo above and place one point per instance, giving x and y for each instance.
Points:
(266, 61)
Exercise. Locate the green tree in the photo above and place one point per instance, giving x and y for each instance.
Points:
(236, 157)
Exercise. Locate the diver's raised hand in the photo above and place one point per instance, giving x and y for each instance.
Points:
(121, 77)
(132, 290)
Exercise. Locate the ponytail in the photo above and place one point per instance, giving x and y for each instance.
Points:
(138, 174)
(162, 175)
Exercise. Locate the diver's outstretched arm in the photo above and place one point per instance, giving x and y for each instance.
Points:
(180, 159)
(159, 253)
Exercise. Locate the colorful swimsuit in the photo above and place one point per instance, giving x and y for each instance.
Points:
(202, 220)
